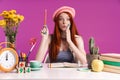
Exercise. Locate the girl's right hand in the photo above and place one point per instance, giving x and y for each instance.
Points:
(45, 32)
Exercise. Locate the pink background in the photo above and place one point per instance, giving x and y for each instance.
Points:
(97, 18)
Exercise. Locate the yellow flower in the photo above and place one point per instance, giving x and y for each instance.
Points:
(5, 14)
(21, 18)
(15, 19)
(11, 16)
(2, 23)
(12, 11)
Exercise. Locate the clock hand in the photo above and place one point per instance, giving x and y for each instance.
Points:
(6, 56)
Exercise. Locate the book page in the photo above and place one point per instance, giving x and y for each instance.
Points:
(65, 65)
(55, 65)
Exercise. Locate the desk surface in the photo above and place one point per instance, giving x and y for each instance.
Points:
(59, 74)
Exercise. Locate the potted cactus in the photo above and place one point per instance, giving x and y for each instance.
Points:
(94, 52)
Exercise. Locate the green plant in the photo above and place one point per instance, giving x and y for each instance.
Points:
(94, 50)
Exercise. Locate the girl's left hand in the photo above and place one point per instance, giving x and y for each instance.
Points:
(68, 34)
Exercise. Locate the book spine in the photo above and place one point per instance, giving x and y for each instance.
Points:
(112, 63)
(109, 58)
(111, 70)
(112, 67)
(113, 55)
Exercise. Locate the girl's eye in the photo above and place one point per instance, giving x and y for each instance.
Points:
(60, 18)
(68, 19)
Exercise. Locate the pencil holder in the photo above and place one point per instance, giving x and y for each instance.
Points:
(24, 59)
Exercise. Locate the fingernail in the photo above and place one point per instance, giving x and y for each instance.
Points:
(69, 25)
(44, 32)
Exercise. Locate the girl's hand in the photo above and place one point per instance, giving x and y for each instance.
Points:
(68, 34)
(45, 32)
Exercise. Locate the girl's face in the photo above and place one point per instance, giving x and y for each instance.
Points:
(64, 21)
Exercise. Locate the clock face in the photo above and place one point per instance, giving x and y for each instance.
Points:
(8, 58)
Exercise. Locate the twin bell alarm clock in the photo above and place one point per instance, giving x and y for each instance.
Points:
(8, 57)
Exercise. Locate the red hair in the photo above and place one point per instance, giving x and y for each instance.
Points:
(56, 38)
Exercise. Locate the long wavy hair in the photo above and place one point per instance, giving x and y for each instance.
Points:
(56, 37)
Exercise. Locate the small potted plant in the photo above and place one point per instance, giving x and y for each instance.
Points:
(94, 52)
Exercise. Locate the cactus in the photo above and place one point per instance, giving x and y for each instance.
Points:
(91, 45)
(92, 48)
(95, 50)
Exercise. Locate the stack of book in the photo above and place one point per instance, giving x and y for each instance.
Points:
(111, 62)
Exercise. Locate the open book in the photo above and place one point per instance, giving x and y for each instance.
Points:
(65, 65)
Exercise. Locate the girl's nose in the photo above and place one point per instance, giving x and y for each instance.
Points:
(64, 21)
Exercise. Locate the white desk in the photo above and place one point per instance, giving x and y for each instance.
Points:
(59, 74)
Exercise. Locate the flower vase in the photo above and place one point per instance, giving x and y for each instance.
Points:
(10, 39)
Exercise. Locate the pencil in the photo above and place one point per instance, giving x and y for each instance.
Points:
(45, 17)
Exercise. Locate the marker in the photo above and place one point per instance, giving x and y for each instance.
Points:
(45, 17)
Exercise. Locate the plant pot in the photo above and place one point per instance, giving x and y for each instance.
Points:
(90, 58)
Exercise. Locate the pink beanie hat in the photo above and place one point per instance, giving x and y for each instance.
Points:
(64, 9)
